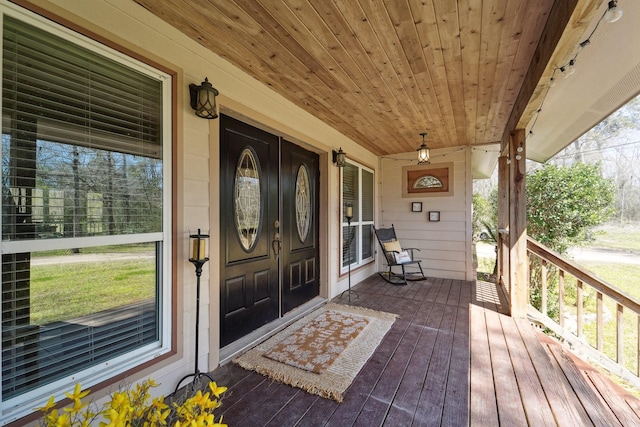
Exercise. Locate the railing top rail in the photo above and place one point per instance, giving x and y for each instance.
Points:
(583, 275)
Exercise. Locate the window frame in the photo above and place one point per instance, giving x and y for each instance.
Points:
(23, 404)
(358, 224)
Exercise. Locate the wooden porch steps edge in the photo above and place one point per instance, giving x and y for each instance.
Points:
(595, 386)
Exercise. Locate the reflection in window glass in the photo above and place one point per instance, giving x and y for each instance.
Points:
(81, 191)
(72, 317)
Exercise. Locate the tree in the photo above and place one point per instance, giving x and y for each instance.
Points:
(481, 214)
(615, 143)
(484, 222)
(564, 203)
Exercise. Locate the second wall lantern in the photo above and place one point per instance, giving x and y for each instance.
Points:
(339, 158)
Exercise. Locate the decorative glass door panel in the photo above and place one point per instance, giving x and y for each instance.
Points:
(303, 203)
(247, 199)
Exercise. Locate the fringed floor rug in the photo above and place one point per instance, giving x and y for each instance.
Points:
(322, 352)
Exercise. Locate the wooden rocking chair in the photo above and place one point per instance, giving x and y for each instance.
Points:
(397, 256)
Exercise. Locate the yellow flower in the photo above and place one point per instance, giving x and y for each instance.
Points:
(217, 391)
(219, 423)
(115, 418)
(199, 399)
(50, 404)
(61, 421)
(119, 400)
(78, 394)
(161, 417)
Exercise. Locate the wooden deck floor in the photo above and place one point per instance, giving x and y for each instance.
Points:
(451, 359)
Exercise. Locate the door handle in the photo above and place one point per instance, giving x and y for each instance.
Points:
(276, 245)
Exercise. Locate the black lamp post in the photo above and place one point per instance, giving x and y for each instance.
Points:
(198, 259)
(349, 216)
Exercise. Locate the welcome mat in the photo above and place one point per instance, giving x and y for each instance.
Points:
(322, 352)
(315, 346)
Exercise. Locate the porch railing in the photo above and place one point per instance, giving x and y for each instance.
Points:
(592, 316)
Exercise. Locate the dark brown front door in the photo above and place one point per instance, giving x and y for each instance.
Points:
(300, 226)
(269, 228)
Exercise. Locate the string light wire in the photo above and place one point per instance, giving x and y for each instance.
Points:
(569, 68)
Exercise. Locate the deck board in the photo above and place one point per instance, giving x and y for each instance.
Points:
(456, 404)
(510, 410)
(484, 406)
(536, 406)
(616, 403)
(452, 358)
(566, 406)
(594, 404)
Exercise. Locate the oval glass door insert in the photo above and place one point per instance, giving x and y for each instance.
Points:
(247, 199)
(303, 203)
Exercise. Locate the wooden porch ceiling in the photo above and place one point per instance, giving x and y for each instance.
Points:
(381, 72)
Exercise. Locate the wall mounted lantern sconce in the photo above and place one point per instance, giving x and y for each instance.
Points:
(339, 158)
(423, 151)
(203, 99)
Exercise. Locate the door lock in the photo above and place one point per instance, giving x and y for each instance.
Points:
(276, 245)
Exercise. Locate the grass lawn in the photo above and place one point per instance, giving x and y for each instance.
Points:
(65, 290)
(616, 236)
(625, 277)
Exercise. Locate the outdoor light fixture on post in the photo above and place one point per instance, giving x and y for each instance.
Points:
(423, 151)
(349, 215)
(339, 158)
(198, 246)
(203, 99)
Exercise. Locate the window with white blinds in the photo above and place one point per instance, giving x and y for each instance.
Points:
(358, 192)
(85, 210)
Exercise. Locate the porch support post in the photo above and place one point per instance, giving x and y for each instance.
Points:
(502, 255)
(518, 262)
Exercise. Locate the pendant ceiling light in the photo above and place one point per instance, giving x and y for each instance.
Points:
(423, 151)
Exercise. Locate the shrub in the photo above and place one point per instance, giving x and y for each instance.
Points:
(134, 407)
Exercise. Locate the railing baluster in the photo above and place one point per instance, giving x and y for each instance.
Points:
(543, 273)
(599, 321)
(622, 300)
(561, 297)
(638, 347)
(579, 304)
(619, 334)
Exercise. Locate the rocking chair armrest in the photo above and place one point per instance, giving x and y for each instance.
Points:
(411, 251)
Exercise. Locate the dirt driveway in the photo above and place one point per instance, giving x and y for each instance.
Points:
(607, 256)
(76, 258)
